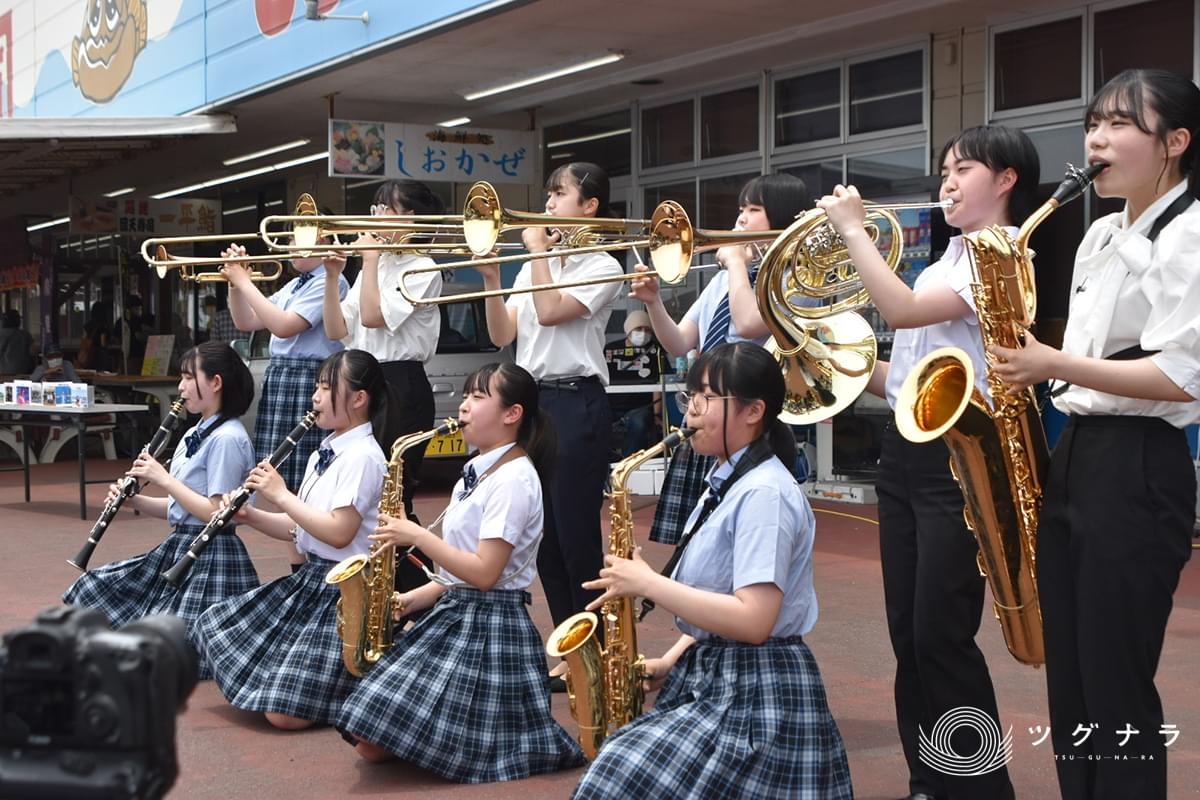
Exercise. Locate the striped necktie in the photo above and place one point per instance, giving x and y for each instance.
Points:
(718, 328)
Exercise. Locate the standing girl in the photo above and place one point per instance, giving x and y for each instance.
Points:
(933, 591)
(211, 460)
(560, 341)
(1120, 496)
(726, 311)
(463, 693)
(376, 318)
(276, 649)
(742, 711)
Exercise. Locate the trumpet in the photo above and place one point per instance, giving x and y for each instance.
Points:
(163, 262)
(671, 240)
(306, 227)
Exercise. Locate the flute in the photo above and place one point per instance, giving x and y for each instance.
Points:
(127, 487)
(176, 574)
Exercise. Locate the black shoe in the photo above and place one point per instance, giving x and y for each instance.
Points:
(556, 683)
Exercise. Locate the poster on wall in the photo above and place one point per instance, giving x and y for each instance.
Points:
(359, 149)
(175, 216)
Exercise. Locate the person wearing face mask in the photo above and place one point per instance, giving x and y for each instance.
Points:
(55, 368)
(640, 420)
(726, 311)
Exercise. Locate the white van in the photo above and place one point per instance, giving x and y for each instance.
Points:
(463, 347)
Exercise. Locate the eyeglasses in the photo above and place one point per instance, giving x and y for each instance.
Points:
(697, 400)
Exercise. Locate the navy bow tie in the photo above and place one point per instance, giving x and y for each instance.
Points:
(304, 278)
(193, 441)
(469, 480)
(324, 459)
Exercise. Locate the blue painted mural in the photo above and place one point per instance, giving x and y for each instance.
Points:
(63, 58)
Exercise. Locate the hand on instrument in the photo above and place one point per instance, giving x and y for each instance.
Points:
(489, 272)
(644, 289)
(1024, 366)
(621, 577)
(243, 513)
(657, 670)
(366, 238)
(734, 255)
(538, 239)
(845, 209)
(397, 531)
(335, 262)
(267, 482)
(236, 272)
(145, 468)
(114, 494)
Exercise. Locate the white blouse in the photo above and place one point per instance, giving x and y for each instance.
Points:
(912, 344)
(576, 348)
(1127, 291)
(507, 504)
(409, 333)
(353, 478)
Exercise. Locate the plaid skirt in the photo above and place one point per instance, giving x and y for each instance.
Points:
(277, 648)
(680, 493)
(463, 694)
(732, 720)
(285, 397)
(130, 589)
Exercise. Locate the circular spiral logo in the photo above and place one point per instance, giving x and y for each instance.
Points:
(936, 749)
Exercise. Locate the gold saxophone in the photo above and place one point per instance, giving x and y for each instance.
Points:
(998, 452)
(367, 582)
(604, 685)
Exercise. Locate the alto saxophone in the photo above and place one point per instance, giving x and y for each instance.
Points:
(367, 582)
(998, 452)
(604, 685)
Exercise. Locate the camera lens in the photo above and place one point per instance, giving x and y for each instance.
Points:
(178, 654)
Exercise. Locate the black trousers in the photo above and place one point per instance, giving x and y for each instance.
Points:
(572, 549)
(1114, 535)
(934, 598)
(410, 410)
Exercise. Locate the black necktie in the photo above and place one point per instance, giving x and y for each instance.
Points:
(304, 278)
(193, 441)
(469, 480)
(324, 459)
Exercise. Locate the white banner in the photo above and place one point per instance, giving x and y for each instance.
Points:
(429, 153)
(174, 216)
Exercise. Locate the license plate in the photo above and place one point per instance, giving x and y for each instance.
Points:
(450, 445)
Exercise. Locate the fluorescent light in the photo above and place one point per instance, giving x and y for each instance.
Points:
(250, 173)
(270, 151)
(226, 212)
(119, 192)
(453, 123)
(50, 224)
(590, 138)
(546, 76)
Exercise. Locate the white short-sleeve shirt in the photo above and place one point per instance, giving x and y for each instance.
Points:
(410, 333)
(1128, 291)
(573, 349)
(353, 478)
(912, 344)
(702, 311)
(506, 504)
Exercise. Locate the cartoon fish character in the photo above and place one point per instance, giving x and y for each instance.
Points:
(102, 56)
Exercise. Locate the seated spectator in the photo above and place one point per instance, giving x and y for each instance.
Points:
(55, 368)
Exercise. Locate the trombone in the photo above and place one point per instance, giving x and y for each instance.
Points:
(671, 240)
(163, 262)
(307, 227)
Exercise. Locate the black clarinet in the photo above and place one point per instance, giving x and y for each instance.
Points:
(178, 573)
(127, 487)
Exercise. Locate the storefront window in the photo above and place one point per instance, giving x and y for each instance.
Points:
(729, 123)
(1037, 65)
(683, 193)
(887, 93)
(819, 178)
(1157, 34)
(897, 172)
(603, 140)
(719, 200)
(667, 135)
(808, 108)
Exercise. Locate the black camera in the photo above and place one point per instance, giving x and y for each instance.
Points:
(89, 712)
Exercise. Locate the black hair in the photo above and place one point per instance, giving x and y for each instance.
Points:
(218, 358)
(782, 195)
(998, 148)
(1173, 97)
(412, 195)
(747, 372)
(12, 318)
(516, 386)
(591, 179)
(361, 372)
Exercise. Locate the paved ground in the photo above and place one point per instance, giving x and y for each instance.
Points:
(226, 753)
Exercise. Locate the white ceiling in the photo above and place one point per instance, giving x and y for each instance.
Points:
(683, 44)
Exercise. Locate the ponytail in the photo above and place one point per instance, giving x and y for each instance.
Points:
(362, 372)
